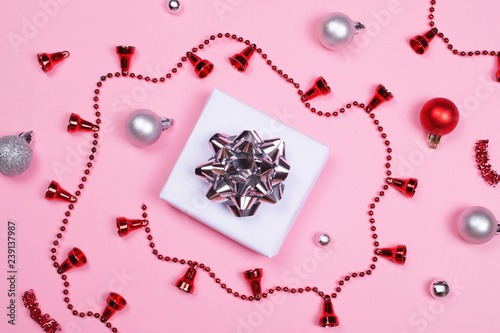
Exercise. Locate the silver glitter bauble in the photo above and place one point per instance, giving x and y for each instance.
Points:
(15, 153)
(174, 6)
(337, 30)
(143, 127)
(477, 225)
(323, 239)
(439, 288)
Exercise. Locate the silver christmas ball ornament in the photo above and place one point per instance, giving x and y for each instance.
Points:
(174, 6)
(337, 30)
(439, 288)
(15, 153)
(323, 239)
(477, 225)
(144, 127)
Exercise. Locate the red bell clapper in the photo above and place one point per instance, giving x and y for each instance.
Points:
(76, 258)
(396, 254)
(439, 116)
(47, 61)
(382, 95)
(55, 191)
(420, 44)
(253, 277)
(328, 318)
(76, 123)
(406, 186)
(114, 302)
(239, 61)
(320, 87)
(125, 226)
(125, 54)
(186, 283)
(202, 67)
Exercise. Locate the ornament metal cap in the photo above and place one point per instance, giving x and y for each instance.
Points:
(186, 283)
(114, 302)
(396, 254)
(202, 68)
(239, 61)
(125, 54)
(382, 95)
(420, 44)
(125, 226)
(320, 87)
(55, 191)
(47, 61)
(406, 186)
(328, 318)
(75, 124)
(76, 258)
(358, 26)
(253, 277)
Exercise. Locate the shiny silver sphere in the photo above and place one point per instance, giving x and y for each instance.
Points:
(439, 288)
(336, 31)
(143, 127)
(477, 225)
(173, 6)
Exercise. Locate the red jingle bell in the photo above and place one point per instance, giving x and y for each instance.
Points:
(396, 254)
(125, 54)
(125, 226)
(114, 302)
(76, 258)
(420, 44)
(328, 318)
(75, 123)
(320, 87)
(239, 61)
(439, 116)
(253, 277)
(202, 68)
(47, 61)
(382, 95)
(186, 283)
(406, 186)
(498, 68)
(55, 191)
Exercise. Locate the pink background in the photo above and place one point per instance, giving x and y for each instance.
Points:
(395, 299)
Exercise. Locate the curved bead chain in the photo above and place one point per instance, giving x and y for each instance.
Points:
(447, 40)
(202, 266)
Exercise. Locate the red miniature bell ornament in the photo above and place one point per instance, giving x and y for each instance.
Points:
(202, 68)
(47, 61)
(55, 191)
(320, 87)
(186, 283)
(328, 318)
(75, 124)
(114, 302)
(125, 226)
(253, 277)
(382, 95)
(406, 186)
(125, 54)
(439, 116)
(420, 44)
(498, 68)
(239, 61)
(76, 258)
(396, 254)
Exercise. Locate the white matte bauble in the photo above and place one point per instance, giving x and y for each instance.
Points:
(477, 225)
(337, 30)
(143, 127)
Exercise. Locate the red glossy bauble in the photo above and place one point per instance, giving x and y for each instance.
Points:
(439, 116)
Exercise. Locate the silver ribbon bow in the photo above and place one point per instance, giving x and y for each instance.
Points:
(245, 170)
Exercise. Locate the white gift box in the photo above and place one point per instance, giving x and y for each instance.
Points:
(266, 230)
